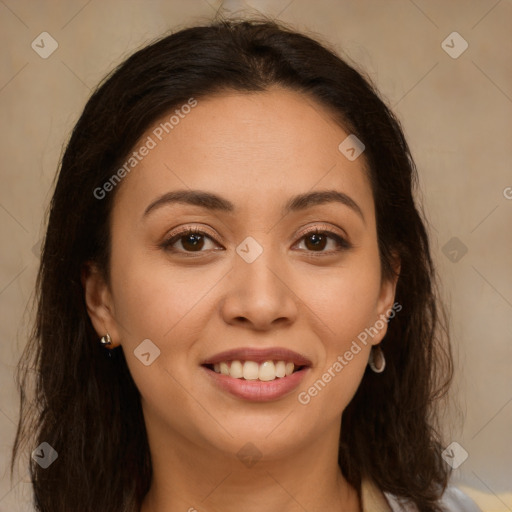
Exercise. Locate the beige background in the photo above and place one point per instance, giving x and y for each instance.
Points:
(457, 115)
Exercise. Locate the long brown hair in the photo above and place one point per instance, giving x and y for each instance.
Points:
(86, 405)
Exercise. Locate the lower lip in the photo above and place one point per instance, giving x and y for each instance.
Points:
(257, 390)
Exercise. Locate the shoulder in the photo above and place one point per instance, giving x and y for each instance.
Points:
(453, 500)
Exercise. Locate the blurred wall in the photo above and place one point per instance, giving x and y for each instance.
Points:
(444, 67)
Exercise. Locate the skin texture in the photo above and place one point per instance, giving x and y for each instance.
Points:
(256, 150)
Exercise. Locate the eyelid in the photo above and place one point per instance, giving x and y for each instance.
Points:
(328, 228)
(191, 229)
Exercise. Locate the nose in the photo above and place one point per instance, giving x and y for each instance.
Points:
(259, 295)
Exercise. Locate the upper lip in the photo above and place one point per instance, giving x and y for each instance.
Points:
(259, 355)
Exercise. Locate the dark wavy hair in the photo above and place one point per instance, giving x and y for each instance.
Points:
(86, 405)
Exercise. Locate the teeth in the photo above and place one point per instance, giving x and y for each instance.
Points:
(250, 370)
(237, 370)
(280, 369)
(267, 371)
(224, 368)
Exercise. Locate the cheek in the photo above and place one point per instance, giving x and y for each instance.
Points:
(152, 297)
(167, 305)
(344, 298)
(347, 306)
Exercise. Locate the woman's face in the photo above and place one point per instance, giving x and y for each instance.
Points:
(255, 284)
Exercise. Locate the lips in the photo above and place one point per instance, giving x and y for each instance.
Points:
(257, 374)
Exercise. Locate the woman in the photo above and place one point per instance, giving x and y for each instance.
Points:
(236, 299)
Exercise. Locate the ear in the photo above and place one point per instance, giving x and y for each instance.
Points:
(98, 299)
(386, 302)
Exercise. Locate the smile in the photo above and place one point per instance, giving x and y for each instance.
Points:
(258, 375)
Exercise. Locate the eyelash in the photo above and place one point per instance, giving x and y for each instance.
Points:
(343, 244)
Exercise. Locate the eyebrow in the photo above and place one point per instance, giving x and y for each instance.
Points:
(213, 202)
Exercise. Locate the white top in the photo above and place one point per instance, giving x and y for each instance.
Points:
(374, 500)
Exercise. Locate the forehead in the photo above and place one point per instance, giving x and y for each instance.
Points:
(254, 148)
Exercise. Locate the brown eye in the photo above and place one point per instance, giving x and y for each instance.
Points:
(191, 240)
(317, 241)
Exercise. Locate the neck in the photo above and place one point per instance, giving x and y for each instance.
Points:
(196, 478)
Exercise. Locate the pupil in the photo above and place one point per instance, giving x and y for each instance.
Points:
(317, 240)
(194, 241)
